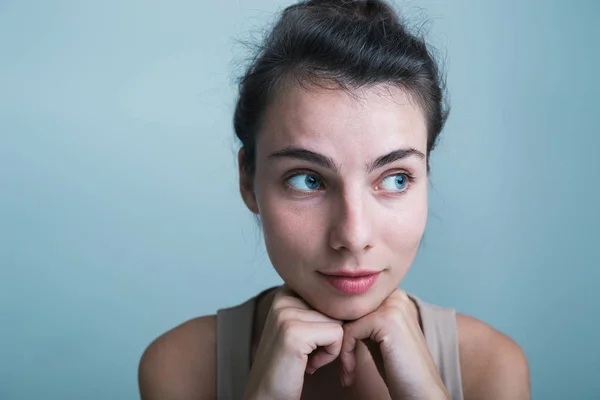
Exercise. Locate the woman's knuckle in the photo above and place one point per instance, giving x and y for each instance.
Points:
(339, 329)
(288, 327)
(289, 333)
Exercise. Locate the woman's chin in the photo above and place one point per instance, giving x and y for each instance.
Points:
(349, 309)
(342, 307)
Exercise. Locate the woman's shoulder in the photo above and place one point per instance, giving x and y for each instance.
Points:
(181, 363)
(492, 364)
(172, 364)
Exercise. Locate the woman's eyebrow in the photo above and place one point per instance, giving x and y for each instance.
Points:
(327, 162)
(306, 155)
(394, 156)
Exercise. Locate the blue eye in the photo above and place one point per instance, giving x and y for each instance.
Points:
(394, 183)
(305, 182)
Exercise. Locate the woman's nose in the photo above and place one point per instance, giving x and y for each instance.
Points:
(351, 226)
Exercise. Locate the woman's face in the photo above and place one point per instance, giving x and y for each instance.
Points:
(341, 188)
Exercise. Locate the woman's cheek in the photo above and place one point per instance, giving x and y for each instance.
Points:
(405, 231)
(290, 231)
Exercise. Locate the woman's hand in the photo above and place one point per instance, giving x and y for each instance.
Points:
(399, 344)
(296, 339)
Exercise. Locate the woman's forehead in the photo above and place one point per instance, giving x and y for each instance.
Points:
(372, 120)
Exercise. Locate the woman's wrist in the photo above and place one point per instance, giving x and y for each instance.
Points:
(258, 396)
(438, 393)
(433, 392)
(262, 392)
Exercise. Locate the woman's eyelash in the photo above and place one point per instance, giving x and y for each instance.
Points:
(289, 186)
(410, 178)
(321, 183)
(409, 182)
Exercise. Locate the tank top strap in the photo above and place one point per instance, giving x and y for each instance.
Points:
(234, 336)
(441, 335)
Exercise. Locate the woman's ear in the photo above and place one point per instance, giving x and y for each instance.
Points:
(246, 184)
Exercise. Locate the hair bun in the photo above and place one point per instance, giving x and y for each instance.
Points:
(351, 44)
(374, 10)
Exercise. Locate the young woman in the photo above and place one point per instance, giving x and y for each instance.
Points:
(337, 116)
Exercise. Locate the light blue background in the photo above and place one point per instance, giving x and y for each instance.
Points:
(120, 216)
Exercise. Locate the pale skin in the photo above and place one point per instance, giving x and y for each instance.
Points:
(340, 183)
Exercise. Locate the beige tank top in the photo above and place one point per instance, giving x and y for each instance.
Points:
(234, 336)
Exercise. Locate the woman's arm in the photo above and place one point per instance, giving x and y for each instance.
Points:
(180, 364)
(493, 366)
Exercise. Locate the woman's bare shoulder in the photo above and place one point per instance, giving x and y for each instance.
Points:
(493, 366)
(180, 364)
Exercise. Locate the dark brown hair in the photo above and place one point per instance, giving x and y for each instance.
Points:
(350, 43)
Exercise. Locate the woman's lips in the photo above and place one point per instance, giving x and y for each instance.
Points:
(352, 282)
